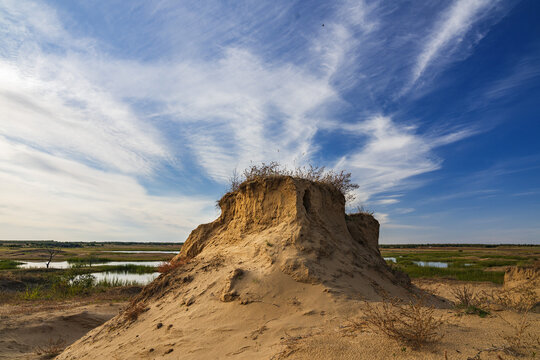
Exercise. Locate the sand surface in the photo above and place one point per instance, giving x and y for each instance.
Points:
(25, 327)
(313, 333)
(303, 326)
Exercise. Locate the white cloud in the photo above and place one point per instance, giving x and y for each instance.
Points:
(389, 201)
(391, 154)
(46, 196)
(75, 146)
(456, 21)
(525, 72)
(383, 218)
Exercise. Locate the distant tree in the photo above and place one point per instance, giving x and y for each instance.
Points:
(52, 252)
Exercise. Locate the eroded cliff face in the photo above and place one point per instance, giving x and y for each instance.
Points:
(299, 225)
(283, 258)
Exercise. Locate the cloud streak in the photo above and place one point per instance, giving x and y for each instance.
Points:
(86, 127)
(449, 31)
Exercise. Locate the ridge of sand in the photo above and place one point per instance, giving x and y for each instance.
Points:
(283, 260)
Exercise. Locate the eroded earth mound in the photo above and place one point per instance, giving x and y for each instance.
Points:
(282, 261)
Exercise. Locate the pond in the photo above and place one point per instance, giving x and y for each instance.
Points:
(67, 265)
(141, 251)
(124, 278)
(436, 264)
(392, 259)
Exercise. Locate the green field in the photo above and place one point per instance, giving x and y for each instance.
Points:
(19, 284)
(84, 251)
(465, 262)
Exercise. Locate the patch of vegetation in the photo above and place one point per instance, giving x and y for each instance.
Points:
(464, 274)
(112, 283)
(341, 181)
(87, 261)
(128, 268)
(133, 310)
(474, 310)
(413, 324)
(166, 268)
(68, 284)
(521, 340)
(50, 350)
(9, 264)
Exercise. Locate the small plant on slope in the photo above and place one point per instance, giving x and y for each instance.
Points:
(51, 349)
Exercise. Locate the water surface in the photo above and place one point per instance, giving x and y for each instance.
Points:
(141, 251)
(66, 265)
(436, 264)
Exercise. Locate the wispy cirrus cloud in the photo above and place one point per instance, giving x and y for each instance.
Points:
(525, 73)
(448, 32)
(94, 123)
(45, 196)
(392, 153)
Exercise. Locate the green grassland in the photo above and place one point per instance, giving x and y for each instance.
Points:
(85, 251)
(467, 263)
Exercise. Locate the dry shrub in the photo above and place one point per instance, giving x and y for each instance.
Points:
(465, 296)
(51, 349)
(521, 341)
(166, 268)
(521, 298)
(469, 300)
(291, 345)
(133, 310)
(341, 181)
(414, 323)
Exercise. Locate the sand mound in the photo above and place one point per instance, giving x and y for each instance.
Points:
(519, 276)
(282, 260)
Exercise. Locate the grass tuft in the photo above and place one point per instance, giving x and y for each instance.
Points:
(520, 340)
(51, 349)
(166, 268)
(133, 310)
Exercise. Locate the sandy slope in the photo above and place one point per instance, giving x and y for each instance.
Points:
(279, 274)
(24, 327)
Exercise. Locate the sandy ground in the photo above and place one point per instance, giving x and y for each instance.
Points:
(308, 327)
(27, 326)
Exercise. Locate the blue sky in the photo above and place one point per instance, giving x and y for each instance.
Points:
(122, 120)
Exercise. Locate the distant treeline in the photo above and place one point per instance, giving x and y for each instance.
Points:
(78, 244)
(412, 246)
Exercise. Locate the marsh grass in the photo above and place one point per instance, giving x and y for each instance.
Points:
(129, 268)
(460, 257)
(9, 264)
(64, 286)
(87, 260)
(115, 282)
(463, 274)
